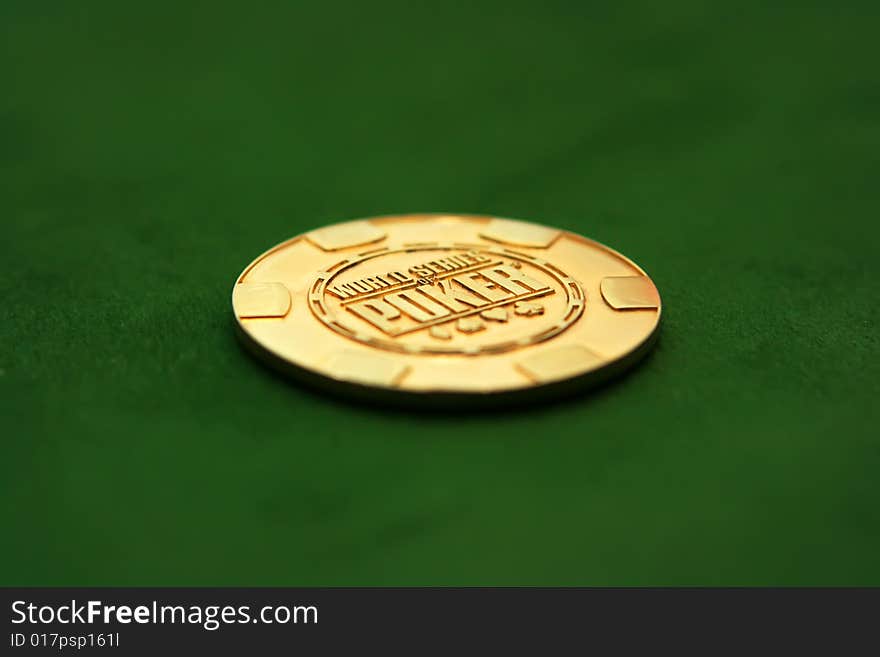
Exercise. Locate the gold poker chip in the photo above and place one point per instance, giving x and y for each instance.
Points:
(430, 308)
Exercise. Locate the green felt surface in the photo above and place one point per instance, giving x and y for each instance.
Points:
(149, 153)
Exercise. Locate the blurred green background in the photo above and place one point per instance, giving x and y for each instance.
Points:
(149, 152)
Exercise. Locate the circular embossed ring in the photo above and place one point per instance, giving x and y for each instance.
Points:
(433, 308)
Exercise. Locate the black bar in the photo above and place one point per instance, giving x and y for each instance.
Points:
(417, 620)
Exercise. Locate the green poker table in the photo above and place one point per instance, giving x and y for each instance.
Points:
(149, 152)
